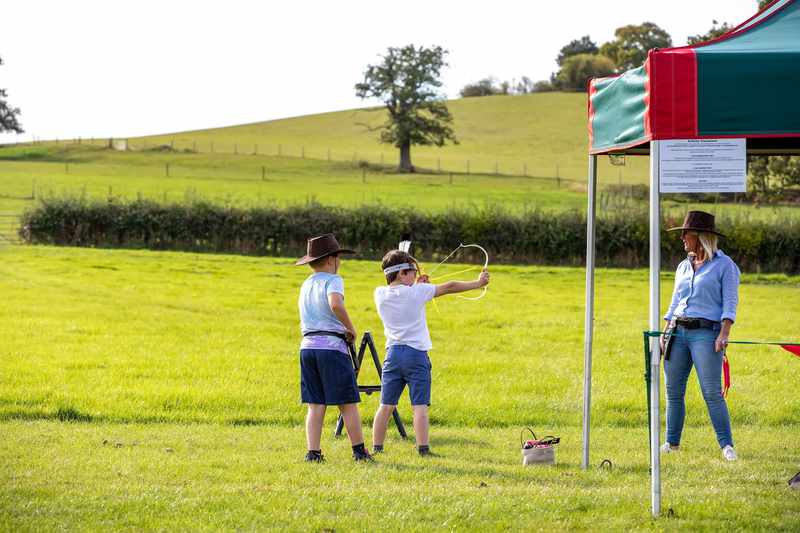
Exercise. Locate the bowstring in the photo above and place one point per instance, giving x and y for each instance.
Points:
(422, 273)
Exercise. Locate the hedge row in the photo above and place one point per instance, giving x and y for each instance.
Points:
(533, 237)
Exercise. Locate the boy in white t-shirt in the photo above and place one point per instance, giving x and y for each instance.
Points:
(401, 306)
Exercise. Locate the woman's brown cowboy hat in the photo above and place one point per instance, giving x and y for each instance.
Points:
(321, 246)
(698, 221)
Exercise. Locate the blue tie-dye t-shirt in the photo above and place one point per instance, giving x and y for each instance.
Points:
(316, 313)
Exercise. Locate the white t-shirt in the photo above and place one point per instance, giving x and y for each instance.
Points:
(402, 310)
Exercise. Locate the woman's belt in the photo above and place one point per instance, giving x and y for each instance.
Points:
(325, 334)
(695, 323)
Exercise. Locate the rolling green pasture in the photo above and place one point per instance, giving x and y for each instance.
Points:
(250, 180)
(143, 390)
(541, 134)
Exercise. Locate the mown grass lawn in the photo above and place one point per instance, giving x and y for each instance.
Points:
(143, 390)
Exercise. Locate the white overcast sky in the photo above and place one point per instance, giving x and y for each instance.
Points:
(108, 68)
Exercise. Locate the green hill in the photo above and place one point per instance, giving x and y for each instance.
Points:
(540, 134)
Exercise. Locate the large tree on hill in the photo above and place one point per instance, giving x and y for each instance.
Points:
(407, 81)
(8, 115)
(715, 31)
(584, 45)
(577, 70)
(631, 44)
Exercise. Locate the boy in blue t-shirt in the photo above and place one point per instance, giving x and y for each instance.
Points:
(327, 376)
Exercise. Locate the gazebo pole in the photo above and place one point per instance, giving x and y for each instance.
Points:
(655, 319)
(588, 326)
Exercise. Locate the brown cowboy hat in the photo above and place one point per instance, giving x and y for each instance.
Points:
(698, 221)
(322, 246)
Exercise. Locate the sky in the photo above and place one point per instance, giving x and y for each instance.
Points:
(117, 69)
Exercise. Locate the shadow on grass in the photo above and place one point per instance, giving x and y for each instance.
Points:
(63, 414)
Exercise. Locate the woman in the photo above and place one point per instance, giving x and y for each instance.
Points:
(702, 311)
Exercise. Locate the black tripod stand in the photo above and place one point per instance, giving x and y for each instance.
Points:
(367, 342)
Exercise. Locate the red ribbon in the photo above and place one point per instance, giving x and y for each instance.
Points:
(726, 375)
(792, 348)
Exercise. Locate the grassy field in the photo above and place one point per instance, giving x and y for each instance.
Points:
(147, 390)
(248, 180)
(541, 134)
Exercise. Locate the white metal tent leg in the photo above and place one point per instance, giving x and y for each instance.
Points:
(655, 324)
(589, 319)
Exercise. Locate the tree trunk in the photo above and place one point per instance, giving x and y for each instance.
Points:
(405, 158)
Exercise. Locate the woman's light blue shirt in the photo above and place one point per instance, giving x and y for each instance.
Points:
(711, 292)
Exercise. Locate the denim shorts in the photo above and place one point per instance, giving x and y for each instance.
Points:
(327, 377)
(405, 365)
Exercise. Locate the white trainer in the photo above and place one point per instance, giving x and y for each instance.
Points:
(729, 453)
(669, 448)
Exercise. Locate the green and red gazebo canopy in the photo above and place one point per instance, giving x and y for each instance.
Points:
(745, 83)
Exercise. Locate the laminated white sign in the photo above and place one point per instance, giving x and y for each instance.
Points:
(702, 165)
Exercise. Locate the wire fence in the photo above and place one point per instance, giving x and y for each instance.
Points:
(367, 158)
(9, 228)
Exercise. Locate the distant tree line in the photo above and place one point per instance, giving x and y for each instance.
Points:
(582, 59)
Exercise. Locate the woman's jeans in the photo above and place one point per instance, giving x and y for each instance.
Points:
(695, 347)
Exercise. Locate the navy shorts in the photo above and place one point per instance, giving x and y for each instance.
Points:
(405, 365)
(327, 377)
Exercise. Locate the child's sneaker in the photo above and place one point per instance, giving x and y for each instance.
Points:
(669, 448)
(425, 451)
(359, 455)
(314, 456)
(729, 453)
